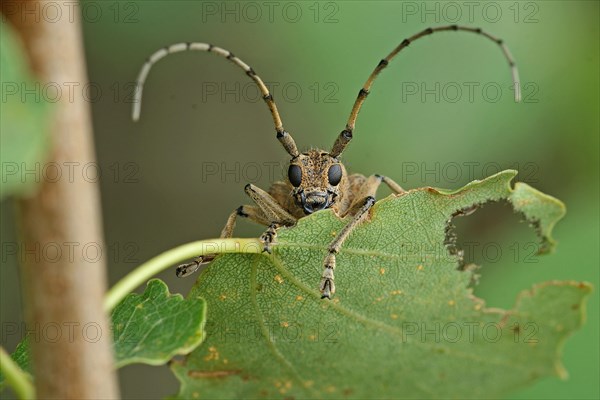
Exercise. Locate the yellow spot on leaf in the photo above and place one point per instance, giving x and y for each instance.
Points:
(420, 268)
(279, 279)
(213, 354)
(451, 302)
(382, 271)
(396, 292)
(139, 306)
(222, 297)
(394, 316)
(283, 388)
(299, 298)
(523, 202)
(285, 324)
(478, 306)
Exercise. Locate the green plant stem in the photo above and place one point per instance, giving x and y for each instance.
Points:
(17, 379)
(166, 260)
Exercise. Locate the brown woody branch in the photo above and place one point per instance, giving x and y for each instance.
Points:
(68, 293)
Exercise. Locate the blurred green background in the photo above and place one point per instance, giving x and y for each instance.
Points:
(176, 175)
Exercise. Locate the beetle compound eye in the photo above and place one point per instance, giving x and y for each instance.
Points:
(295, 175)
(335, 174)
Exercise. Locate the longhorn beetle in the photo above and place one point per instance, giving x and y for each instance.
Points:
(317, 179)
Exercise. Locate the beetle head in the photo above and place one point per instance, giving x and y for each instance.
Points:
(318, 180)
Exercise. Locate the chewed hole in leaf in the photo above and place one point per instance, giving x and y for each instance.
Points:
(487, 236)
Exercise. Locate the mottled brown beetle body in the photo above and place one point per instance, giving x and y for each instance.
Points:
(317, 180)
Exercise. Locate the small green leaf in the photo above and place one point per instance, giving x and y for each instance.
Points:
(148, 328)
(24, 122)
(403, 323)
(153, 327)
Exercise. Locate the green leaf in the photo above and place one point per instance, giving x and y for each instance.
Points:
(21, 358)
(403, 323)
(149, 328)
(541, 210)
(24, 122)
(153, 327)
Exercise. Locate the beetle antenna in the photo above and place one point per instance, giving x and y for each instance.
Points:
(284, 137)
(346, 135)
